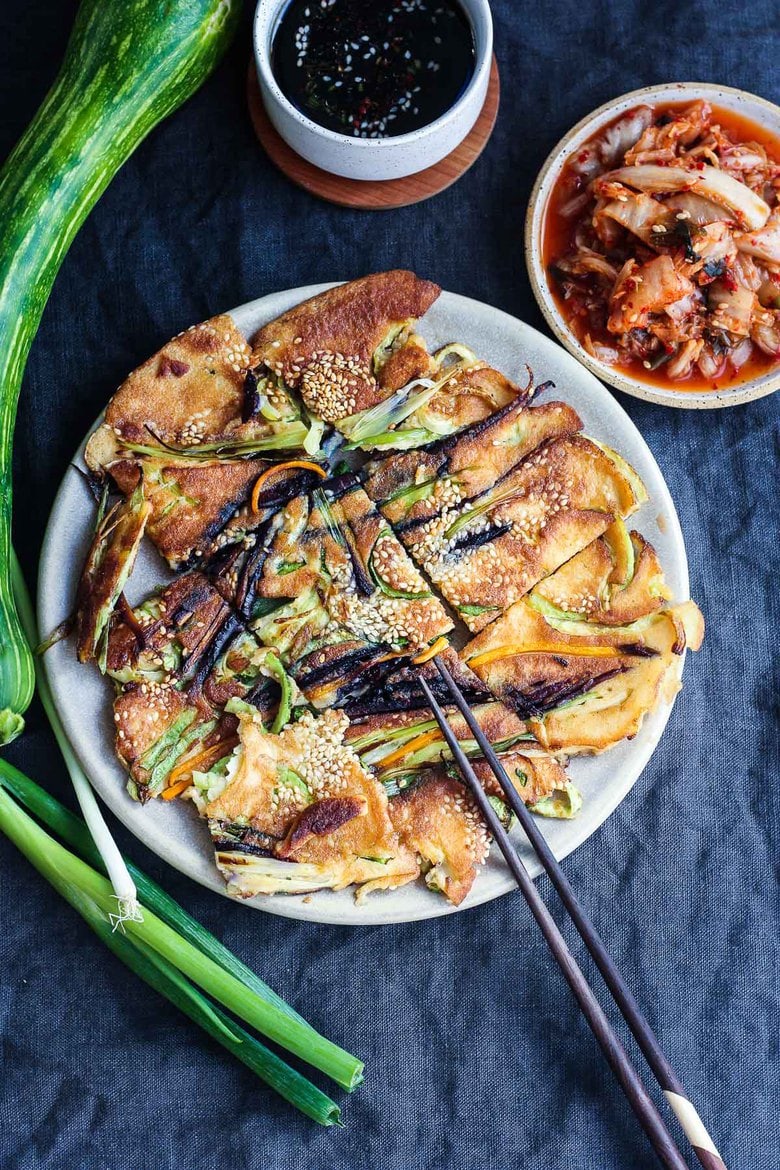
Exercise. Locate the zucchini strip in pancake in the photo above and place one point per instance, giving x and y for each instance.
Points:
(333, 592)
(590, 651)
(296, 812)
(614, 581)
(486, 553)
(180, 422)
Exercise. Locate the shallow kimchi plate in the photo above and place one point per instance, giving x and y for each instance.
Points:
(764, 114)
(174, 831)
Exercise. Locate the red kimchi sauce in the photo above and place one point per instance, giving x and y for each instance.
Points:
(558, 239)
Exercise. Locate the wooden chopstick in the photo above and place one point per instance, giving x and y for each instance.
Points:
(614, 1052)
(672, 1087)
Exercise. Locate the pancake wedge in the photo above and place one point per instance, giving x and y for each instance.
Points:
(615, 580)
(455, 391)
(430, 807)
(109, 563)
(296, 812)
(486, 553)
(583, 685)
(185, 424)
(183, 664)
(338, 349)
(188, 399)
(414, 487)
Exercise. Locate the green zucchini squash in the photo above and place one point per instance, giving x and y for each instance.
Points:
(128, 64)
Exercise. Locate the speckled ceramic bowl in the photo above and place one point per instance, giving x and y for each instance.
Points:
(749, 106)
(373, 158)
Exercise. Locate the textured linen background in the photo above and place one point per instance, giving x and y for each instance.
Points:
(475, 1050)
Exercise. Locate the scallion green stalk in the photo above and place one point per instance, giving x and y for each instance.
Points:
(58, 865)
(165, 978)
(75, 833)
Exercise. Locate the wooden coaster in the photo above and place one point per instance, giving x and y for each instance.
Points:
(374, 195)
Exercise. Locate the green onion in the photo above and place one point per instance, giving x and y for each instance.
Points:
(62, 869)
(410, 495)
(293, 435)
(401, 439)
(313, 440)
(74, 831)
(373, 427)
(359, 428)
(493, 500)
(285, 699)
(476, 610)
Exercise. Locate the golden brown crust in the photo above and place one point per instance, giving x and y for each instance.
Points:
(538, 668)
(320, 819)
(332, 815)
(585, 585)
(438, 820)
(351, 319)
(555, 502)
(190, 503)
(190, 391)
(468, 464)
(412, 360)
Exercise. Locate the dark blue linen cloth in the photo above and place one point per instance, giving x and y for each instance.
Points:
(476, 1053)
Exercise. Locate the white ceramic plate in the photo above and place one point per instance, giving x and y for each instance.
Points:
(173, 830)
(758, 110)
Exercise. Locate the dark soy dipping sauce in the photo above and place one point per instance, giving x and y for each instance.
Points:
(373, 68)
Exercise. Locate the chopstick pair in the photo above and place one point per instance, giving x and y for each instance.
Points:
(613, 1050)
